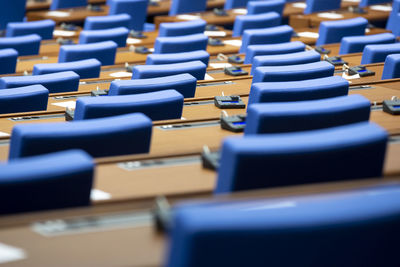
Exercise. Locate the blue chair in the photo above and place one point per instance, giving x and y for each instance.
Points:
(272, 35)
(107, 22)
(137, 9)
(297, 58)
(119, 135)
(356, 44)
(8, 60)
(378, 53)
(195, 68)
(307, 115)
(289, 73)
(258, 21)
(171, 58)
(160, 105)
(59, 4)
(284, 231)
(341, 153)
(272, 49)
(26, 45)
(117, 35)
(391, 70)
(231, 4)
(11, 11)
(365, 3)
(185, 6)
(67, 81)
(313, 89)
(177, 44)
(86, 69)
(394, 18)
(184, 83)
(43, 28)
(334, 31)
(104, 52)
(314, 6)
(53, 181)
(168, 29)
(258, 7)
(23, 99)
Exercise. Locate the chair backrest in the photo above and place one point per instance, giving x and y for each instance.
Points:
(177, 44)
(231, 4)
(107, 22)
(391, 70)
(378, 53)
(58, 4)
(137, 9)
(117, 35)
(314, 6)
(185, 6)
(8, 60)
(43, 28)
(272, 49)
(171, 58)
(356, 44)
(258, 21)
(11, 11)
(394, 18)
(168, 29)
(23, 99)
(257, 7)
(86, 69)
(25, 45)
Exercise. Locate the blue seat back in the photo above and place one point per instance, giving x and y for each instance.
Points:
(167, 29)
(258, 21)
(391, 69)
(107, 22)
(171, 58)
(117, 35)
(23, 99)
(258, 7)
(25, 45)
(394, 18)
(8, 60)
(86, 69)
(43, 28)
(314, 6)
(184, 6)
(273, 49)
(59, 4)
(11, 11)
(356, 44)
(177, 44)
(378, 53)
(137, 9)
(231, 4)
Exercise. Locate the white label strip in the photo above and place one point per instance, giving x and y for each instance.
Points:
(121, 74)
(60, 14)
(352, 77)
(215, 33)
(188, 17)
(327, 15)
(133, 41)
(300, 5)
(97, 194)
(237, 43)
(66, 104)
(9, 253)
(220, 65)
(240, 11)
(381, 8)
(4, 134)
(308, 34)
(64, 33)
(208, 77)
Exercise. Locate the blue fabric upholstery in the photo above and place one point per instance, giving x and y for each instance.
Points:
(365, 3)
(11, 11)
(334, 31)
(394, 18)
(284, 231)
(87, 68)
(117, 35)
(314, 6)
(258, 21)
(306, 115)
(195, 68)
(391, 70)
(340, 153)
(168, 29)
(52, 181)
(103, 51)
(231, 4)
(286, 59)
(43, 28)
(289, 73)
(8, 60)
(23, 99)
(178, 44)
(356, 44)
(107, 22)
(298, 90)
(273, 49)
(257, 7)
(171, 58)
(25, 45)
(137, 9)
(67, 81)
(272, 35)
(184, 83)
(59, 4)
(378, 53)
(160, 105)
(119, 135)
(185, 6)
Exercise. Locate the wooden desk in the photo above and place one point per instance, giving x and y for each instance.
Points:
(32, 5)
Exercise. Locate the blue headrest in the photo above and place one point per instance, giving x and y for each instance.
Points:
(391, 70)
(182, 28)
(313, 6)
(306, 115)
(334, 31)
(104, 52)
(67, 81)
(43, 28)
(281, 159)
(257, 7)
(160, 105)
(11, 11)
(119, 135)
(394, 18)
(23, 99)
(264, 20)
(59, 4)
(87, 68)
(272, 49)
(179, 44)
(365, 3)
(378, 53)
(25, 45)
(107, 22)
(272, 35)
(286, 59)
(195, 68)
(284, 231)
(118, 35)
(289, 73)
(356, 44)
(184, 83)
(184, 6)
(170, 58)
(136, 8)
(298, 90)
(52, 181)
(230, 4)
(8, 60)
